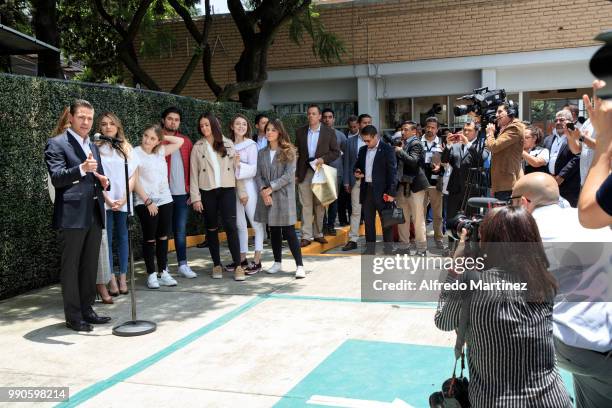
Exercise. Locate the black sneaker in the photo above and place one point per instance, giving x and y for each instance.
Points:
(253, 268)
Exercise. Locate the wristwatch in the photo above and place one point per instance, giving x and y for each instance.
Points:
(581, 139)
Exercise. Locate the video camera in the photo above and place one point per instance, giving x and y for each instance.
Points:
(484, 104)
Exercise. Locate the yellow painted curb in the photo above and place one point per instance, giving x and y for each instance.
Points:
(314, 248)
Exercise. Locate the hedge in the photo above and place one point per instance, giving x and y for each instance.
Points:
(29, 108)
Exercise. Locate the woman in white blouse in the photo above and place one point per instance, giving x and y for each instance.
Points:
(245, 162)
(116, 198)
(535, 157)
(154, 202)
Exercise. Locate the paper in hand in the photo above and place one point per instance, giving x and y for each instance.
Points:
(313, 164)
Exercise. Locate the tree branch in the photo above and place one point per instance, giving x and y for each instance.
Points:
(243, 22)
(232, 89)
(123, 50)
(182, 82)
(109, 18)
(189, 24)
(137, 19)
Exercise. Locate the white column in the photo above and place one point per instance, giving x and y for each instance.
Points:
(489, 78)
(264, 99)
(366, 99)
(521, 103)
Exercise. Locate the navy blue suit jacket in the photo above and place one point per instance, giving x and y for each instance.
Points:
(384, 173)
(74, 195)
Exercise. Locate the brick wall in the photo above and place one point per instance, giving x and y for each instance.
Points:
(402, 30)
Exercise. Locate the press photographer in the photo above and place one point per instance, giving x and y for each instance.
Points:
(510, 351)
(412, 184)
(506, 150)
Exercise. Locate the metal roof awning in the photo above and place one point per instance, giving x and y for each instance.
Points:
(13, 42)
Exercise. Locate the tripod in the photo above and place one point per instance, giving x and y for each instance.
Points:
(132, 327)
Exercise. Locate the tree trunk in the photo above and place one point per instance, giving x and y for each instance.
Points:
(45, 27)
(252, 66)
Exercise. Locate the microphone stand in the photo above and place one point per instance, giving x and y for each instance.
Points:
(132, 327)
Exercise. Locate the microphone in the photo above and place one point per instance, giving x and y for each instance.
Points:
(101, 138)
(485, 202)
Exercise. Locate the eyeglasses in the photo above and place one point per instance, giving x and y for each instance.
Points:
(512, 202)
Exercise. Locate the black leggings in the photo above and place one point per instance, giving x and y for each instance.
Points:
(287, 231)
(221, 200)
(153, 228)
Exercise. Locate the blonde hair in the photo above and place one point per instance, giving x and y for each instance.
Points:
(125, 145)
(63, 122)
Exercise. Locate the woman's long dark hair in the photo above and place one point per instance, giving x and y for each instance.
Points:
(511, 241)
(215, 127)
(286, 151)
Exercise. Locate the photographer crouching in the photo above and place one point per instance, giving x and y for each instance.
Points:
(506, 151)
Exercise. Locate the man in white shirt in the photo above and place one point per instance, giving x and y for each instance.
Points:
(582, 314)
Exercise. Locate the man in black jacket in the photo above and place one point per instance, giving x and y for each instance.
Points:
(412, 184)
(377, 168)
(76, 173)
(461, 153)
(563, 165)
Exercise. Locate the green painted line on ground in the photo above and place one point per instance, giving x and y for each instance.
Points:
(95, 389)
(416, 305)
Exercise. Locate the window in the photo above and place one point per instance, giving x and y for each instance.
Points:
(342, 110)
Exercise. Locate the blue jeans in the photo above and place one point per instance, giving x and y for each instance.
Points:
(179, 226)
(117, 221)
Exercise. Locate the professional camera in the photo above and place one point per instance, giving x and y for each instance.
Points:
(484, 104)
(471, 224)
(601, 62)
(460, 221)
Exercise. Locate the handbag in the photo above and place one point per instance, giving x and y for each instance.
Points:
(392, 215)
(454, 392)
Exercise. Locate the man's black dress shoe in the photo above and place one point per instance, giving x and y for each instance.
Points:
(79, 326)
(349, 246)
(93, 318)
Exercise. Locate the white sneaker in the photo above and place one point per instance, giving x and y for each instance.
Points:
(186, 272)
(275, 268)
(300, 273)
(152, 282)
(166, 280)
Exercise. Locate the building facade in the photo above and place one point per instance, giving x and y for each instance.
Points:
(407, 57)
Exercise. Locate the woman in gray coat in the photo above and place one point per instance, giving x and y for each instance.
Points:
(276, 184)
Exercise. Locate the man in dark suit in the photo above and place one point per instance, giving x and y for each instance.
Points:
(563, 165)
(376, 167)
(412, 184)
(316, 145)
(461, 153)
(76, 173)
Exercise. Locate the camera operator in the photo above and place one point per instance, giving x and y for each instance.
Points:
(434, 171)
(563, 164)
(412, 184)
(506, 151)
(511, 357)
(595, 205)
(462, 154)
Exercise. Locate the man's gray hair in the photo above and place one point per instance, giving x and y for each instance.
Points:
(564, 113)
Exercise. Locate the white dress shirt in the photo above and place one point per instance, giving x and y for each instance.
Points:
(583, 324)
(313, 140)
(84, 143)
(557, 144)
(370, 155)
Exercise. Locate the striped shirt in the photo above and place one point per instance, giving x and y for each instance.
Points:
(511, 356)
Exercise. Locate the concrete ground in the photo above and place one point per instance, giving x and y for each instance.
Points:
(271, 340)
